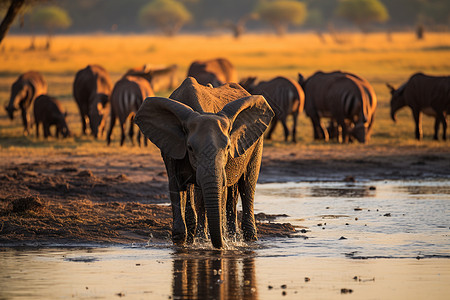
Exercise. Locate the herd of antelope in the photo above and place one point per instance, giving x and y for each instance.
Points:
(347, 100)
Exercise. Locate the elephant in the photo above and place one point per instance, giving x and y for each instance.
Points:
(340, 97)
(216, 71)
(285, 96)
(427, 94)
(48, 111)
(91, 89)
(24, 91)
(211, 141)
(126, 98)
(160, 79)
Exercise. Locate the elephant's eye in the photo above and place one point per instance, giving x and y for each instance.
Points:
(189, 147)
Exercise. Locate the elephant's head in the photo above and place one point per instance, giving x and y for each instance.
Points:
(397, 100)
(208, 140)
(98, 112)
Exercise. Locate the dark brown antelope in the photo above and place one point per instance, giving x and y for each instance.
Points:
(160, 78)
(48, 112)
(91, 90)
(24, 91)
(126, 98)
(427, 94)
(216, 71)
(284, 95)
(342, 98)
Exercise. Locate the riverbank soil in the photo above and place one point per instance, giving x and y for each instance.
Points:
(121, 197)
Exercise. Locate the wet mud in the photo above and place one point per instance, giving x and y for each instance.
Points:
(113, 199)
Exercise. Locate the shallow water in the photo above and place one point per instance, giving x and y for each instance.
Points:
(362, 220)
(379, 240)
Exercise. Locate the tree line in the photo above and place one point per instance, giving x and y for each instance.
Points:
(170, 16)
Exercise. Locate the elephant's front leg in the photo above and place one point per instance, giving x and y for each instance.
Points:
(200, 210)
(190, 216)
(247, 192)
(231, 209)
(178, 201)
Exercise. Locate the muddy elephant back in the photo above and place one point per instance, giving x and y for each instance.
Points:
(207, 99)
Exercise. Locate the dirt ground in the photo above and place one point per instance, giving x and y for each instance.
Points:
(69, 198)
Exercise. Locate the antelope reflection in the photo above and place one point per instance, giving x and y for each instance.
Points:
(214, 277)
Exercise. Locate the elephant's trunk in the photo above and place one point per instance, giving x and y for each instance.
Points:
(213, 196)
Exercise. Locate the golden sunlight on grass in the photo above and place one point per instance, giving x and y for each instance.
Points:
(372, 56)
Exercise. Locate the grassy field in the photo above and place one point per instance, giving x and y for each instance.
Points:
(372, 56)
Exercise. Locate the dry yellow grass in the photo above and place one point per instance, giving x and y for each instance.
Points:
(372, 56)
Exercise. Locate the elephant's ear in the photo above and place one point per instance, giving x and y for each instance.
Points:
(161, 120)
(249, 118)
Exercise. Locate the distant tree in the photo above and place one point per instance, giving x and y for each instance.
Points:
(362, 12)
(238, 27)
(168, 15)
(280, 14)
(50, 18)
(13, 8)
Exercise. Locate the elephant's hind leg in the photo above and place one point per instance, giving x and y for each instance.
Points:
(247, 186)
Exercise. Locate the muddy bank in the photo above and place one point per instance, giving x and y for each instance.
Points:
(122, 199)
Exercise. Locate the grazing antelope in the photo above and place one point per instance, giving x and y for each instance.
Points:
(126, 98)
(161, 79)
(91, 90)
(427, 94)
(342, 98)
(48, 111)
(216, 71)
(24, 91)
(285, 96)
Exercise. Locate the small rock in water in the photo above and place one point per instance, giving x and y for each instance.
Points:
(346, 291)
(349, 178)
(85, 173)
(342, 238)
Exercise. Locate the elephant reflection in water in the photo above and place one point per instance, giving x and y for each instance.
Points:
(214, 278)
